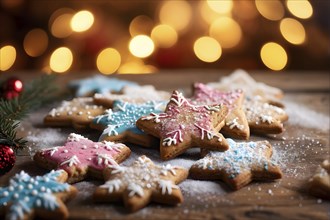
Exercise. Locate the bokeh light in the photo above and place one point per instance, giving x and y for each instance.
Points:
(82, 21)
(7, 57)
(207, 13)
(108, 61)
(301, 9)
(35, 42)
(164, 36)
(141, 46)
(221, 7)
(60, 27)
(293, 31)
(207, 49)
(271, 10)
(141, 24)
(176, 14)
(273, 56)
(226, 31)
(61, 60)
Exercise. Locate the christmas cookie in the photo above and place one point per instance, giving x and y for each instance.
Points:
(184, 125)
(236, 124)
(238, 166)
(141, 183)
(81, 157)
(119, 123)
(132, 94)
(41, 196)
(98, 84)
(79, 112)
(319, 184)
(264, 118)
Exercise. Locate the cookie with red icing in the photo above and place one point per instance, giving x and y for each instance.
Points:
(81, 157)
(184, 125)
(236, 124)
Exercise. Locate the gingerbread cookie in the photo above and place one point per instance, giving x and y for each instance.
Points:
(79, 112)
(42, 196)
(119, 123)
(184, 125)
(264, 118)
(98, 84)
(238, 166)
(236, 124)
(319, 184)
(141, 183)
(81, 157)
(240, 79)
(132, 94)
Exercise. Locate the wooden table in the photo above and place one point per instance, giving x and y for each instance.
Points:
(305, 148)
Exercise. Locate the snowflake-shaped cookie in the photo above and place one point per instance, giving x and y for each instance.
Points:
(119, 123)
(141, 183)
(81, 157)
(184, 125)
(238, 166)
(236, 124)
(27, 196)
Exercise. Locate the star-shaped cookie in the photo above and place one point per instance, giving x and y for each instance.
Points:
(141, 183)
(319, 184)
(119, 123)
(42, 196)
(184, 125)
(238, 166)
(236, 124)
(262, 117)
(81, 157)
(79, 112)
(98, 84)
(132, 94)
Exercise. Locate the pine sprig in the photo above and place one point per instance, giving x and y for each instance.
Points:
(35, 94)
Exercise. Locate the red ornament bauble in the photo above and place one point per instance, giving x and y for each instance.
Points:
(13, 84)
(7, 159)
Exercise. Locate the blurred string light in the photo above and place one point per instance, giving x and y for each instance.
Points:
(7, 57)
(136, 66)
(141, 46)
(35, 42)
(270, 9)
(164, 36)
(82, 21)
(221, 7)
(207, 49)
(108, 61)
(61, 60)
(301, 9)
(293, 31)
(273, 56)
(59, 23)
(141, 24)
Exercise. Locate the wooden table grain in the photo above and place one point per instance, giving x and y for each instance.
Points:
(307, 146)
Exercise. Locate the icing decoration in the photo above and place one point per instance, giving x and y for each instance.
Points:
(242, 159)
(184, 125)
(99, 84)
(80, 153)
(142, 179)
(26, 193)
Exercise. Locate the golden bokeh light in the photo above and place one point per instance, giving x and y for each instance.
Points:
(293, 31)
(82, 21)
(35, 42)
(207, 13)
(271, 10)
(60, 27)
(141, 24)
(301, 9)
(108, 61)
(136, 67)
(207, 49)
(61, 60)
(176, 14)
(164, 36)
(226, 31)
(141, 46)
(7, 57)
(273, 56)
(221, 7)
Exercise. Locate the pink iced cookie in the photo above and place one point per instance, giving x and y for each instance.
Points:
(81, 157)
